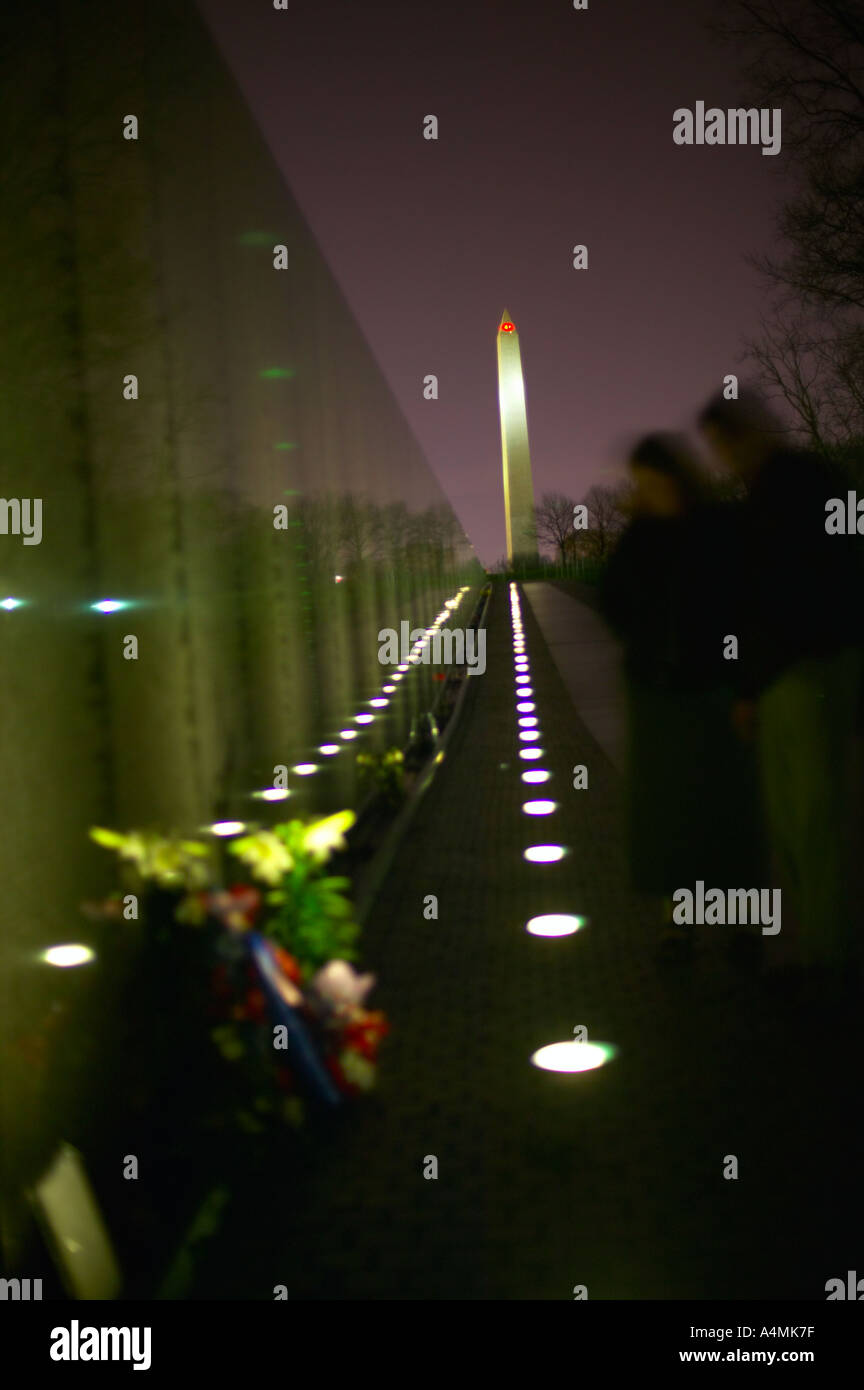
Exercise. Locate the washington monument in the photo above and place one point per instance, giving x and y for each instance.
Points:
(518, 487)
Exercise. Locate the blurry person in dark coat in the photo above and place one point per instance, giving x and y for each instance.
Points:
(669, 594)
(799, 672)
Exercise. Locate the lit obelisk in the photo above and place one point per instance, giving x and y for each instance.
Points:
(518, 487)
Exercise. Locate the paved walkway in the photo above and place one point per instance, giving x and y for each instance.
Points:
(611, 1179)
(587, 658)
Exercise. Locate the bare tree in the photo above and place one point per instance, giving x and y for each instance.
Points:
(607, 516)
(554, 521)
(807, 57)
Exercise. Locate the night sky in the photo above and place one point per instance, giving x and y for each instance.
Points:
(555, 129)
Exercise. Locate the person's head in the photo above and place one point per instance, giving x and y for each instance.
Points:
(666, 478)
(741, 433)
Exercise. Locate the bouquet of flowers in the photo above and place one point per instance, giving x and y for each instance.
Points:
(286, 1008)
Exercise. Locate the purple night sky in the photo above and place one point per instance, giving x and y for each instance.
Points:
(555, 128)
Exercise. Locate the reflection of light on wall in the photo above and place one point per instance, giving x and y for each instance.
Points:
(66, 956)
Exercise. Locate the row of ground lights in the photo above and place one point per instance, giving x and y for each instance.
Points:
(567, 1056)
(74, 954)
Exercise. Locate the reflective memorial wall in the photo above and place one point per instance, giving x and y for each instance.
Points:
(223, 475)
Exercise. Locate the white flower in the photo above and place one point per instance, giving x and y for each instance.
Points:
(339, 983)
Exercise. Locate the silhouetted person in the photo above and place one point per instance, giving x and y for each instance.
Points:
(693, 796)
(799, 668)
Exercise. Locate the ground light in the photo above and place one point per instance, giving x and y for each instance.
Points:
(348, 733)
(328, 749)
(364, 718)
(573, 1056)
(555, 924)
(530, 753)
(305, 769)
(539, 808)
(10, 603)
(545, 854)
(109, 605)
(227, 827)
(379, 704)
(526, 690)
(272, 794)
(528, 721)
(66, 956)
(529, 735)
(526, 707)
(536, 774)
(388, 690)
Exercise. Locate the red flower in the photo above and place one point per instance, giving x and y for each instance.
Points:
(364, 1033)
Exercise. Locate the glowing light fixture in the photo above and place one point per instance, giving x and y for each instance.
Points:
(379, 704)
(529, 753)
(528, 721)
(227, 827)
(536, 774)
(272, 794)
(526, 707)
(305, 769)
(348, 733)
(66, 956)
(10, 603)
(555, 924)
(573, 1056)
(545, 854)
(388, 690)
(364, 718)
(109, 605)
(328, 749)
(539, 808)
